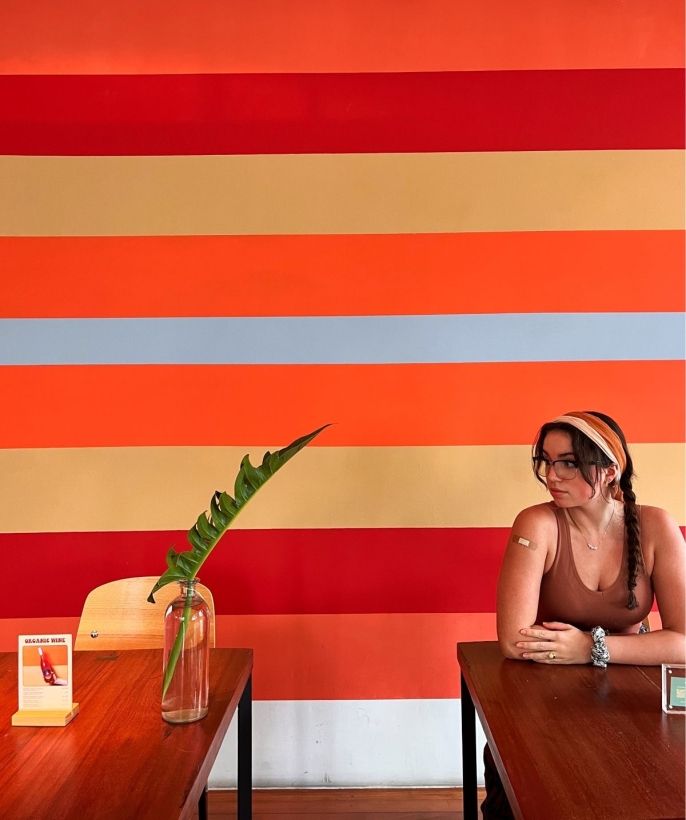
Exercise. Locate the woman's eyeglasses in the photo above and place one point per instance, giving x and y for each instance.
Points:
(564, 468)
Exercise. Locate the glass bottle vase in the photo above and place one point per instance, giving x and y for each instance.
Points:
(186, 656)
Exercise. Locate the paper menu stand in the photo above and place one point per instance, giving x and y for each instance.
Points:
(45, 681)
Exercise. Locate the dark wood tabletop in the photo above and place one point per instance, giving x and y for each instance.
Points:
(578, 742)
(117, 758)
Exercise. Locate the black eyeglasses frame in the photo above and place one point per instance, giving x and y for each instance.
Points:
(537, 461)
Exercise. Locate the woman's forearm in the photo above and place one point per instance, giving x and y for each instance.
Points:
(649, 649)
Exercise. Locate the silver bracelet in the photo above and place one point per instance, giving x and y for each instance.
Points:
(599, 652)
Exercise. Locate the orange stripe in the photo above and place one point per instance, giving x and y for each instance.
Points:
(298, 35)
(452, 404)
(330, 275)
(317, 657)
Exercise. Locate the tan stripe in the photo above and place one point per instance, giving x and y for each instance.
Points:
(344, 193)
(159, 488)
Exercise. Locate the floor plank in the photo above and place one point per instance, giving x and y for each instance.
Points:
(343, 804)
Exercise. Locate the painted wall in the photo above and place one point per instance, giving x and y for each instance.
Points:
(435, 224)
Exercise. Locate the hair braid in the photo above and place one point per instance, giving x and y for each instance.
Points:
(633, 536)
(632, 524)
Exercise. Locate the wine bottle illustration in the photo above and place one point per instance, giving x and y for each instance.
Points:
(48, 670)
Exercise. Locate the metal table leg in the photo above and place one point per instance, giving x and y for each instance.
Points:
(469, 794)
(202, 805)
(245, 753)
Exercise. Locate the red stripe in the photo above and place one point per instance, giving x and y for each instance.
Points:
(273, 571)
(311, 113)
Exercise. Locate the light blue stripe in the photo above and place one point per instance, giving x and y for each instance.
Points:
(508, 337)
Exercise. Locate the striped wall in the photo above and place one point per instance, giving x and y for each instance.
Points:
(434, 224)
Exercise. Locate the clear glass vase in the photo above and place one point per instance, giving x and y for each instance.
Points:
(185, 662)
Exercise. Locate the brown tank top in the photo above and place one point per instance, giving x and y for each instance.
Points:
(565, 597)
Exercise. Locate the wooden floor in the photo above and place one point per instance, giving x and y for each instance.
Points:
(343, 804)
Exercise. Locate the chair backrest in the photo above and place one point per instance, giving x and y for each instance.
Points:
(118, 616)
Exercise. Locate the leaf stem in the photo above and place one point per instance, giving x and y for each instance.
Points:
(178, 642)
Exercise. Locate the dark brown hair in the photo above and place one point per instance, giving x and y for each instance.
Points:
(589, 454)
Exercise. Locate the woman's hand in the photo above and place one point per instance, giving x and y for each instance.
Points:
(553, 642)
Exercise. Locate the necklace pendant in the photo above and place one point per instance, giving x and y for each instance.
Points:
(601, 535)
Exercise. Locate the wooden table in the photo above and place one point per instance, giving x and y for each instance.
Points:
(118, 759)
(574, 741)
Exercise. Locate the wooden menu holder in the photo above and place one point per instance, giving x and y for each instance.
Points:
(39, 717)
(41, 705)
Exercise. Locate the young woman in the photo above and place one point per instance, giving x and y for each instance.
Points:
(591, 557)
(580, 572)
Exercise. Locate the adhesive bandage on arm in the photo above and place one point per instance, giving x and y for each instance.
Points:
(524, 542)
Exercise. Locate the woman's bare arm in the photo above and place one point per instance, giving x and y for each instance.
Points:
(533, 532)
(666, 645)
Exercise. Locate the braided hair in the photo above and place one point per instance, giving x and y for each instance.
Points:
(589, 454)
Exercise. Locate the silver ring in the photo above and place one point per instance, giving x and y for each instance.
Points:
(551, 656)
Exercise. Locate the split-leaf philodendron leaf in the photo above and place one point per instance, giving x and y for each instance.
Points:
(212, 524)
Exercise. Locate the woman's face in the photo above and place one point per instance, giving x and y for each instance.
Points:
(570, 492)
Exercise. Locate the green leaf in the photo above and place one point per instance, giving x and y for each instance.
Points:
(228, 505)
(219, 520)
(187, 563)
(204, 535)
(254, 475)
(195, 539)
(242, 489)
(206, 530)
(171, 575)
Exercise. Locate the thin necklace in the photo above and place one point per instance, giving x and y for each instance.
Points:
(602, 537)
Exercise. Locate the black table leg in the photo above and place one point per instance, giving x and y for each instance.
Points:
(202, 805)
(469, 797)
(245, 753)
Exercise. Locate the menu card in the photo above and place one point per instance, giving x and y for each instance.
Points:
(45, 680)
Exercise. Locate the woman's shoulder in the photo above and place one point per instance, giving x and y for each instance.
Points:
(540, 516)
(662, 542)
(536, 526)
(656, 521)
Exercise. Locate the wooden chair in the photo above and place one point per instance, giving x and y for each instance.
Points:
(117, 615)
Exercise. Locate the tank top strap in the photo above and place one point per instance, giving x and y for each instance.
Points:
(563, 551)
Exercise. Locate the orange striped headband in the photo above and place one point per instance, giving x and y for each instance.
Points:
(601, 434)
